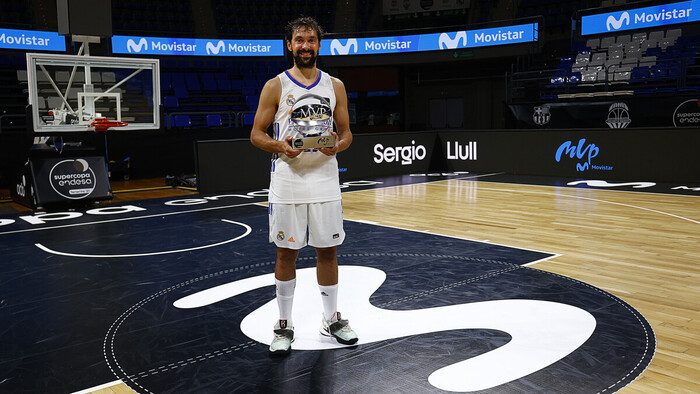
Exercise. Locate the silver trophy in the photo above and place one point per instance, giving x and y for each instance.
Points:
(312, 117)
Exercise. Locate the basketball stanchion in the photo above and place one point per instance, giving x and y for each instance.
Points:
(101, 125)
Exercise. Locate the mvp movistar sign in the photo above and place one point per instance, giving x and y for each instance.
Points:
(515, 34)
(195, 46)
(641, 18)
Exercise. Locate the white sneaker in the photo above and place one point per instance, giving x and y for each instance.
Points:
(338, 329)
(282, 342)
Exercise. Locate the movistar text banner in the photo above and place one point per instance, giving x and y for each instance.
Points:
(641, 18)
(432, 42)
(32, 40)
(196, 46)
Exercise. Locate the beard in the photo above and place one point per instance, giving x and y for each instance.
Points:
(305, 62)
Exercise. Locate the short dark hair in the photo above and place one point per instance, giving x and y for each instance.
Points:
(302, 22)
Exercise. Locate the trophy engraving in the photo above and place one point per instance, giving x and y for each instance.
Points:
(312, 117)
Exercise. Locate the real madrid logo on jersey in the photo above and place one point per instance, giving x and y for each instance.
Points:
(290, 100)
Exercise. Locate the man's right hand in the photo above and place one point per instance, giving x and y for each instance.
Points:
(288, 150)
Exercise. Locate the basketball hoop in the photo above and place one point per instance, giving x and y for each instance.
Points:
(102, 124)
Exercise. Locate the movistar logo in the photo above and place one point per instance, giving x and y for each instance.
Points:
(445, 42)
(339, 49)
(214, 49)
(131, 45)
(617, 23)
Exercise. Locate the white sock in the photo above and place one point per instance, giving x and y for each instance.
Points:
(285, 298)
(329, 296)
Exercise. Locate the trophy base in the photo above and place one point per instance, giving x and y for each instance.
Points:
(321, 141)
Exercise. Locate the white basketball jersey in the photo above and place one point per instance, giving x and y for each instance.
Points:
(311, 176)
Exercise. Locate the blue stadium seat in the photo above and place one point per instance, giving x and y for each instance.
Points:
(209, 85)
(574, 77)
(252, 102)
(192, 82)
(182, 121)
(674, 70)
(656, 51)
(248, 119)
(223, 85)
(166, 82)
(658, 73)
(214, 120)
(170, 102)
(249, 92)
(237, 84)
(180, 89)
(558, 78)
(639, 74)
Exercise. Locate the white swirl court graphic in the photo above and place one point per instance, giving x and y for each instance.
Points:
(542, 332)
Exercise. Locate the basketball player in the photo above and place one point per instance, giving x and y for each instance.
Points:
(304, 185)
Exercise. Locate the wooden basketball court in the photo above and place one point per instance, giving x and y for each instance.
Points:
(642, 247)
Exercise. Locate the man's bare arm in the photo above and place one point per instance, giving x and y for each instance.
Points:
(267, 107)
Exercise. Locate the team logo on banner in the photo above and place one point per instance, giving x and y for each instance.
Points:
(618, 116)
(72, 179)
(541, 115)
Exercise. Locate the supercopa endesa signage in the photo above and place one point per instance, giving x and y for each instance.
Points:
(687, 114)
(64, 179)
(72, 179)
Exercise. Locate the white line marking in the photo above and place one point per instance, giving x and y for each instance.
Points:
(248, 231)
(125, 219)
(597, 200)
(554, 255)
(448, 236)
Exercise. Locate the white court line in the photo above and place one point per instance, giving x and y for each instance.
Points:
(596, 200)
(423, 183)
(248, 231)
(567, 187)
(430, 232)
(125, 219)
(100, 387)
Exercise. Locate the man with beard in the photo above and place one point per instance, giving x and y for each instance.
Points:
(304, 185)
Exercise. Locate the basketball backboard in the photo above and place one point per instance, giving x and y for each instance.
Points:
(68, 92)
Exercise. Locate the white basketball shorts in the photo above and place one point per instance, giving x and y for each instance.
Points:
(289, 224)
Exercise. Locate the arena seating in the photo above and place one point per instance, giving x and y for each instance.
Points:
(658, 61)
